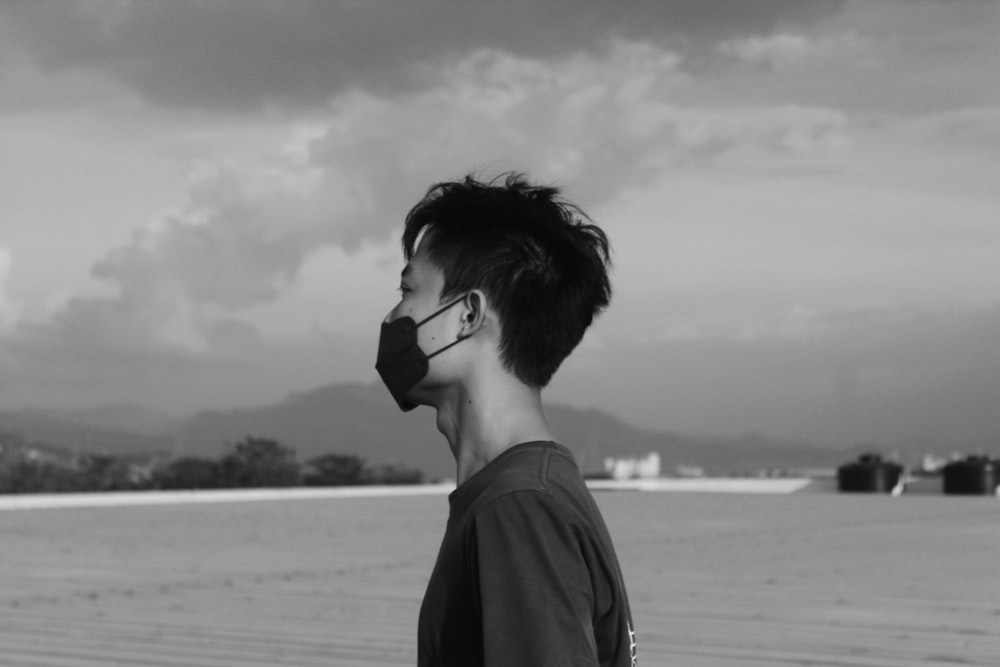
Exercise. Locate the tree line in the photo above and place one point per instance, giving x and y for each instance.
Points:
(248, 463)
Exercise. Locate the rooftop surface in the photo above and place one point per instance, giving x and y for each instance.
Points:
(719, 580)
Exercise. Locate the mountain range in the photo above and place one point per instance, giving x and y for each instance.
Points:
(362, 420)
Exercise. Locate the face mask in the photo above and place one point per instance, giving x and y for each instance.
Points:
(401, 363)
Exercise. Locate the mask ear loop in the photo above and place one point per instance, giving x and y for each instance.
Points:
(451, 344)
(435, 314)
(438, 312)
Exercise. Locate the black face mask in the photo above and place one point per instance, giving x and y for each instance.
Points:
(401, 363)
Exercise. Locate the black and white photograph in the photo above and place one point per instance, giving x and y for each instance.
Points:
(499, 333)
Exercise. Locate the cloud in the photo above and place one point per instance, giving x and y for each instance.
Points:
(606, 122)
(600, 121)
(196, 288)
(241, 55)
(881, 57)
(168, 350)
(246, 229)
(786, 49)
(240, 238)
(728, 206)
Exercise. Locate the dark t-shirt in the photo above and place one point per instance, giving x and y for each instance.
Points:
(527, 574)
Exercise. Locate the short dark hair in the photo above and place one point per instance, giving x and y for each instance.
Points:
(539, 259)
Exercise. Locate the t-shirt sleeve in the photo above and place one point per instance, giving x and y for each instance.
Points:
(535, 583)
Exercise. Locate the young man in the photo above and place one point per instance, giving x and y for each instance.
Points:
(501, 282)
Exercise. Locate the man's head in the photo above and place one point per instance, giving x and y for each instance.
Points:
(539, 261)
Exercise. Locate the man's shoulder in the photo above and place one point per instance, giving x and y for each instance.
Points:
(520, 468)
(535, 466)
(541, 473)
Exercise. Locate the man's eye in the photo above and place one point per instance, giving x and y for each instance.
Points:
(402, 289)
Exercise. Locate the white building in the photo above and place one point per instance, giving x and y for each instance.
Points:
(646, 467)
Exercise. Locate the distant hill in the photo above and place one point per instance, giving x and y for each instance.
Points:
(123, 418)
(86, 431)
(362, 420)
(344, 418)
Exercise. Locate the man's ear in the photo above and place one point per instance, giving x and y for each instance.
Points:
(473, 313)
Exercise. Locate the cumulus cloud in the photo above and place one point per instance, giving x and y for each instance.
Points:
(190, 285)
(771, 199)
(239, 240)
(598, 121)
(228, 55)
(246, 230)
(608, 122)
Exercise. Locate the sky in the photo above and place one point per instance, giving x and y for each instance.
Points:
(201, 202)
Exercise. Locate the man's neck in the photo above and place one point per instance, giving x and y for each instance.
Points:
(480, 423)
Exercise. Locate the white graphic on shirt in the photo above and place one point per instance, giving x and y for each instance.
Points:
(631, 643)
